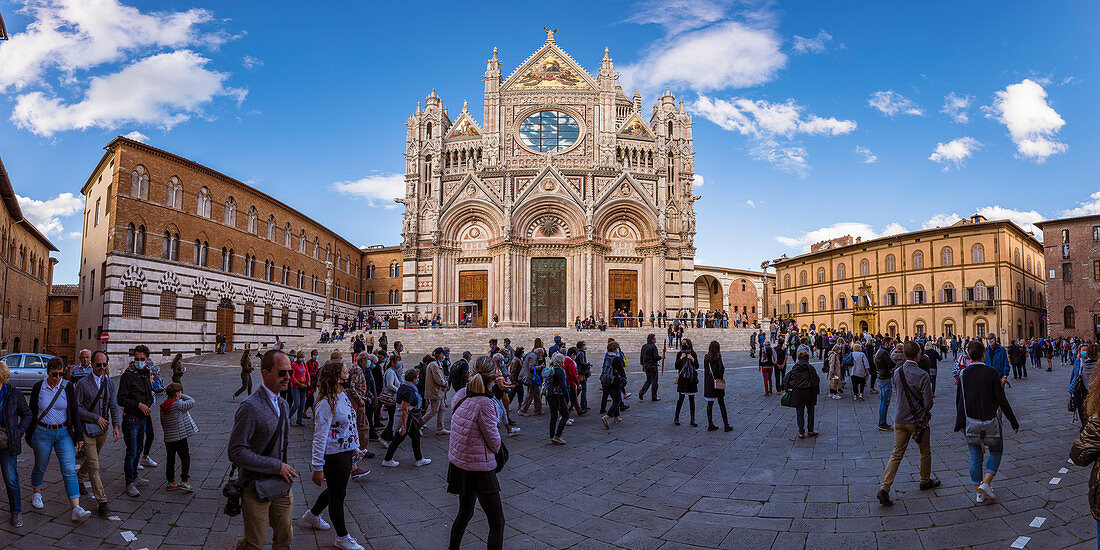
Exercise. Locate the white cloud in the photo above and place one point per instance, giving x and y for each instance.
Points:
(812, 45)
(955, 107)
(164, 90)
(250, 62)
(1032, 123)
(955, 152)
(750, 203)
(375, 187)
(785, 157)
(679, 15)
(136, 136)
(697, 180)
(46, 215)
(866, 155)
(1085, 208)
(940, 220)
(891, 103)
(1023, 218)
(855, 229)
(724, 55)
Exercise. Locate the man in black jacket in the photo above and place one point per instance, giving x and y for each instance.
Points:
(649, 360)
(979, 396)
(135, 396)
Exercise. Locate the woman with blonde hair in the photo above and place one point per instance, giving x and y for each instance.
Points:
(473, 455)
(15, 418)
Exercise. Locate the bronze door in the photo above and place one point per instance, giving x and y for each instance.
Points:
(548, 292)
(622, 291)
(473, 286)
(225, 323)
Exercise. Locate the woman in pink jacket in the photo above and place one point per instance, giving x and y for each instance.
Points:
(472, 454)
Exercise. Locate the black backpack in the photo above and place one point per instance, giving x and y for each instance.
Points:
(607, 377)
(460, 372)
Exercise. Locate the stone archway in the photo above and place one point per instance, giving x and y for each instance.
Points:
(708, 294)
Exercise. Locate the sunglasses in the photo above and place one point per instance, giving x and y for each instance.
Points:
(284, 373)
(101, 364)
(55, 373)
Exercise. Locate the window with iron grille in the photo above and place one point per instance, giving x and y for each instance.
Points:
(248, 308)
(168, 305)
(131, 302)
(198, 308)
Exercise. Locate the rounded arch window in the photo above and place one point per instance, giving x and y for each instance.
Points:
(549, 131)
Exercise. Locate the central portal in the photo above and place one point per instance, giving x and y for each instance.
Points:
(548, 292)
(622, 290)
(473, 287)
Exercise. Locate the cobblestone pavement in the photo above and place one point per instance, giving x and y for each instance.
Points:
(644, 484)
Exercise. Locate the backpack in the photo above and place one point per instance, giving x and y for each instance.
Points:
(687, 372)
(550, 387)
(157, 385)
(607, 377)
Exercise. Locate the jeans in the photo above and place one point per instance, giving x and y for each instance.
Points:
(133, 433)
(10, 473)
(297, 403)
(45, 440)
(884, 389)
(559, 409)
(802, 414)
(991, 464)
(337, 470)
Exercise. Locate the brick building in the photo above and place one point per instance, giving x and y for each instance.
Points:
(382, 279)
(26, 272)
(1072, 250)
(61, 321)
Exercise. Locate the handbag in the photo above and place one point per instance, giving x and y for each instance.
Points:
(979, 432)
(719, 383)
(786, 399)
(273, 487)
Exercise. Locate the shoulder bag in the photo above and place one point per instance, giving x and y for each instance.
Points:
(979, 432)
(92, 429)
(3, 429)
(273, 487)
(921, 412)
(502, 454)
(719, 383)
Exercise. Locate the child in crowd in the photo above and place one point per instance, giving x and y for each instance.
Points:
(175, 420)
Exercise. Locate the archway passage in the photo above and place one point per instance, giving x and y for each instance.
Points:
(862, 327)
(548, 292)
(622, 291)
(473, 286)
(708, 294)
(225, 322)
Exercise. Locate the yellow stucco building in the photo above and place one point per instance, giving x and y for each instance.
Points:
(970, 278)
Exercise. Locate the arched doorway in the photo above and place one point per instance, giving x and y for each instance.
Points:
(863, 327)
(15, 345)
(224, 323)
(743, 299)
(708, 294)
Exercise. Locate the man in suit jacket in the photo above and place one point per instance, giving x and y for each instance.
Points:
(97, 404)
(256, 421)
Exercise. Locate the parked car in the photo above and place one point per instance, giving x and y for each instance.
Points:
(26, 368)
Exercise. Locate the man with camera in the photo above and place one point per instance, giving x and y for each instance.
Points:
(258, 446)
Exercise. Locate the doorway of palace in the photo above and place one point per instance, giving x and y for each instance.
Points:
(473, 286)
(863, 327)
(548, 292)
(224, 324)
(622, 291)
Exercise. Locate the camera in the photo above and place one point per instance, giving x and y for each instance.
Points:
(232, 493)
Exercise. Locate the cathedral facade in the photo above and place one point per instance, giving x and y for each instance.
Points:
(564, 201)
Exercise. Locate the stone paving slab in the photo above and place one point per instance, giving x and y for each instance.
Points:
(644, 484)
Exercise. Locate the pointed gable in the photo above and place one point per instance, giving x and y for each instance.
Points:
(550, 68)
(635, 128)
(466, 127)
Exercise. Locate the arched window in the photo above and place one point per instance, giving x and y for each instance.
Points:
(670, 129)
(842, 301)
(978, 253)
(328, 253)
(271, 227)
(821, 274)
(252, 219)
(802, 278)
(804, 306)
(286, 235)
(1069, 318)
(173, 193)
(821, 303)
(230, 212)
(302, 242)
(918, 296)
(947, 257)
(131, 302)
(139, 240)
(166, 246)
(840, 272)
(864, 268)
(947, 294)
(891, 297)
(979, 291)
(1016, 258)
(1019, 293)
(316, 247)
(396, 269)
(786, 280)
(168, 305)
(891, 264)
(130, 236)
(1029, 264)
(428, 131)
(918, 260)
(139, 183)
(204, 203)
(225, 259)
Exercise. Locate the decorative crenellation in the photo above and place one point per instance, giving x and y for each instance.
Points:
(170, 282)
(133, 276)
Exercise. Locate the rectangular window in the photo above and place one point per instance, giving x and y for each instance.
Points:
(67, 306)
(107, 209)
(1067, 272)
(1096, 233)
(980, 329)
(198, 308)
(1096, 270)
(1065, 236)
(91, 282)
(64, 336)
(96, 224)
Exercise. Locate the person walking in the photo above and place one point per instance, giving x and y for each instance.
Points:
(391, 382)
(246, 375)
(910, 421)
(767, 363)
(687, 380)
(613, 380)
(177, 425)
(257, 445)
(714, 386)
(435, 392)
(835, 361)
(780, 367)
(860, 368)
(528, 375)
(554, 382)
(15, 420)
(57, 428)
(135, 397)
(996, 357)
(178, 369)
(650, 360)
(335, 446)
(979, 401)
(1086, 449)
(884, 367)
(299, 386)
(97, 402)
(472, 455)
(804, 385)
(410, 421)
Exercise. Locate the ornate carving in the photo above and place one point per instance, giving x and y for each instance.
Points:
(133, 276)
(548, 225)
(200, 287)
(169, 281)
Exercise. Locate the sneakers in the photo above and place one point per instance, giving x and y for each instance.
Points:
(316, 522)
(986, 490)
(884, 498)
(557, 441)
(141, 482)
(606, 425)
(885, 427)
(569, 422)
(171, 486)
(347, 543)
(359, 473)
(422, 462)
(184, 486)
(146, 461)
(17, 520)
(36, 501)
(132, 490)
(140, 467)
(391, 463)
(980, 499)
(442, 432)
(80, 514)
(514, 431)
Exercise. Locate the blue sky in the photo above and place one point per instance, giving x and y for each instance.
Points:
(812, 120)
